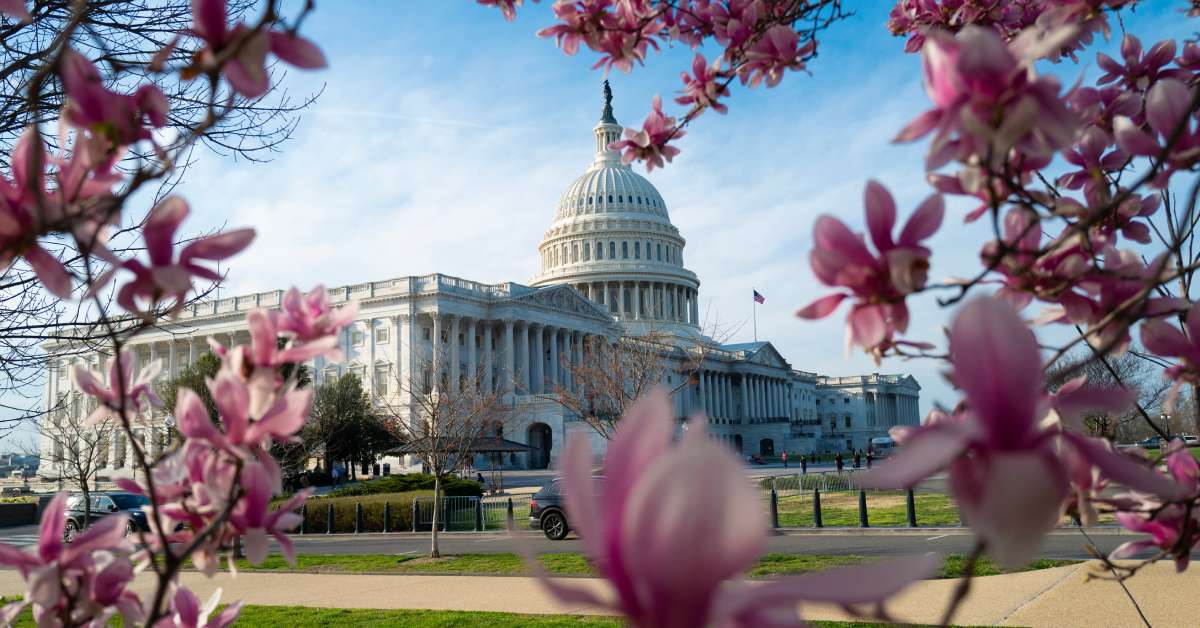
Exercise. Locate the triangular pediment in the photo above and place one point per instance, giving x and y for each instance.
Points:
(766, 354)
(565, 299)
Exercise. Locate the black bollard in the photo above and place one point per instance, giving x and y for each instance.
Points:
(862, 509)
(358, 518)
(509, 519)
(774, 507)
(479, 515)
(387, 516)
(329, 519)
(910, 504)
(817, 523)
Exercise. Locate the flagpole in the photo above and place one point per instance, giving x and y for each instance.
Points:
(755, 315)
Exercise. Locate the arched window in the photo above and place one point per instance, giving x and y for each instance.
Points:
(624, 250)
(610, 198)
(574, 252)
(587, 251)
(612, 250)
(599, 250)
(589, 200)
(659, 247)
(637, 250)
(620, 199)
(639, 200)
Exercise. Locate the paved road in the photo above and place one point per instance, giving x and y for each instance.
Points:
(1062, 544)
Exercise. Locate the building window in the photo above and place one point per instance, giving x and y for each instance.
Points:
(589, 200)
(639, 200)
(624, 250)
(833, 424)
(658, 247)
(359, 371)
(610, 198)
(599, 250)
(575, 252)
(620, 199)
(587, 251)
(847, 421)
(612, 250)
(462, 340)
(331, 374)
(847, 400)
(357, 337)
(637, 250)
(381, 380)
(381, 335)
(425, 333)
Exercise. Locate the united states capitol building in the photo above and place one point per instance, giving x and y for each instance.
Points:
(612, 265)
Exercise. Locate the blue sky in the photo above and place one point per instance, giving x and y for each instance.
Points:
(445, 135)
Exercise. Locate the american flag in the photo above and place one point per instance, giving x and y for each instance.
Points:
(759, 298)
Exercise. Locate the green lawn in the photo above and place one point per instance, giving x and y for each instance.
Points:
(884, 509)
(574, 564)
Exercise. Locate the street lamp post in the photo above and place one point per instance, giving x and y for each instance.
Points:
(1166, 420)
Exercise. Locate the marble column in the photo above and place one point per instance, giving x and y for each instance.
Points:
(191, 351)
(637, 299)
(555, 379)
(742, 397)
(172, 360)
(523, 354)
(486, 336)
(568, 379)
(472, 358)
(729, 411)
(703, 394)
(539, 360)
(455, 364)
(621, 298)
(435, 340)
(607, 299)
(509, 361)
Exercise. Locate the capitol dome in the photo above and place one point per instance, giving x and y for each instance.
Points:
(612, 239)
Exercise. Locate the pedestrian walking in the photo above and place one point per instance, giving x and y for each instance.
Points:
(870, 457)
(837, 460)
(857, 460)
(334, 473)
(803, 464)
(784, 456)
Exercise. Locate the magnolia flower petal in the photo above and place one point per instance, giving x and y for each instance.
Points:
(1123, 469)
(881, 214)
(296, 51)
(858, 584)
(1013, 499)
(822, 307)
(926, 451)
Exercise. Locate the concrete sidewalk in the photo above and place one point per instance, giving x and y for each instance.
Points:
(1062, 597)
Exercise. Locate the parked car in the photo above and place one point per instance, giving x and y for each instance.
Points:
(104, 504)
(16, 491)
(1191, 441)
(1149, 443)
(548, 510)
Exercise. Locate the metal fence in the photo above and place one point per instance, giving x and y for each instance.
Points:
(464, 514)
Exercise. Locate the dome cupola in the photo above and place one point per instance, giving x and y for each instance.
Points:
(613, 240)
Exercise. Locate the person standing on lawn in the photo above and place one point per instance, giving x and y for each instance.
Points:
(784, 456)
(837, 460)
(803, 464)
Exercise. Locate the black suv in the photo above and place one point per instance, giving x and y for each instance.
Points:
(104, 504)
(548, 510)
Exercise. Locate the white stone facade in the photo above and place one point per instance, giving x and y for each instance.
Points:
(611, 265)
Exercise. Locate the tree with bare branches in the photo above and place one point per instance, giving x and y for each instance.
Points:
(74, 453)
(614, 372)
(439, 420)
(1129, 370)
(122, 38)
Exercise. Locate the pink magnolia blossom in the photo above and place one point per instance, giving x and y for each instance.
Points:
(137, 394)
(988, 102)
(651, 143)
(120, 118)
(246, 71)
(675, 554)
(1006, 471)
(256, 519)
(164, 277)
(1138, 71)
(1173, 527)
(312, 316)
(83, 582)
(186, 611)
(507, 7)
(778, 50)
(877, 281)
(1163, 338)
(704, 85)
(1168, 107)
(281, 417)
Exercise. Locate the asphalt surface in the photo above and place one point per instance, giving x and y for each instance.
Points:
(1061, 544)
